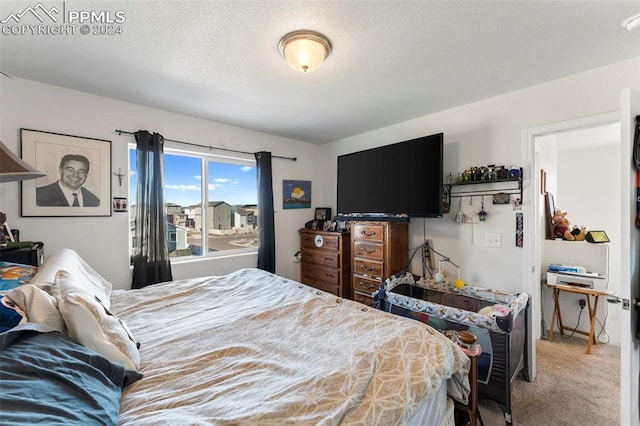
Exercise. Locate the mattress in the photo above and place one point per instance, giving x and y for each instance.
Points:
(437, 410)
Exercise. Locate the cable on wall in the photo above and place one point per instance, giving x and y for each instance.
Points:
(120, 132)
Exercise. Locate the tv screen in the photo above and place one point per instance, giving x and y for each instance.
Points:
(401, 178)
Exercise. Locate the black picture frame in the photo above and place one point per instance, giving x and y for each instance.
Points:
(44, 150)
(323, 213)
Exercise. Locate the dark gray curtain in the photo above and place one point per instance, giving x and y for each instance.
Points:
(266, 227)
(150, 253)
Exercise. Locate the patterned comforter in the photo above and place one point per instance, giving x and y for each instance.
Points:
(255, 348)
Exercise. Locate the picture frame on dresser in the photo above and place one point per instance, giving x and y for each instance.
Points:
(82, 164)
(323, 213)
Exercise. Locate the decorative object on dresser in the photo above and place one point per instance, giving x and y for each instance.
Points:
(379, 250)
(326, 261)
(323, 213)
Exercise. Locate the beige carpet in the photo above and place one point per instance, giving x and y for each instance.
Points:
(571, 387)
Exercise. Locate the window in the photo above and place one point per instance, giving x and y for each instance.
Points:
(226, 224)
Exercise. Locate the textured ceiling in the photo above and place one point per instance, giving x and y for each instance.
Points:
(391, 61)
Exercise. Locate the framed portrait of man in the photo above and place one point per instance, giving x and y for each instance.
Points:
(78, 175)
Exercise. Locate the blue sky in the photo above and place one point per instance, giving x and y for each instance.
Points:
(232, 183)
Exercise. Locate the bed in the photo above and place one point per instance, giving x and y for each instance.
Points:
(249, 347)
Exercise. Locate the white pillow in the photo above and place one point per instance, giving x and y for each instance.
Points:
(68, 260)
(92, 324)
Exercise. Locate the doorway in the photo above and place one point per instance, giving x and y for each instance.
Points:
(536, 226)
(582, 170)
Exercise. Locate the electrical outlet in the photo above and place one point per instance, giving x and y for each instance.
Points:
(582, 303)
(493, 240)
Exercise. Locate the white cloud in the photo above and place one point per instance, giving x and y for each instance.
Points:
(246, 169)
(183, 187)
(222, 180)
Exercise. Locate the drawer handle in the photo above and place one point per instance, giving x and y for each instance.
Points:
(367, 250)
(366, 268)
(368, 233)
(328, 258)
(364, 285)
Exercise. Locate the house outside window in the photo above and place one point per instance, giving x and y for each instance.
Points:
(229, 196)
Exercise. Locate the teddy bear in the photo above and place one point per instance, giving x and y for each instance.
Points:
(561, 228)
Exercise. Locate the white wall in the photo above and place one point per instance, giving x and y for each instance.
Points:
(491, 132)
(103, 241)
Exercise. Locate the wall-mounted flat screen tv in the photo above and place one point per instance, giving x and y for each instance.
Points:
(401, 178)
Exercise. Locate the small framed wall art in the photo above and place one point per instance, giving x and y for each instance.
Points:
(296, 194)
(120, 204)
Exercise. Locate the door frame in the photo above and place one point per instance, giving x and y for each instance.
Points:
(630, 264)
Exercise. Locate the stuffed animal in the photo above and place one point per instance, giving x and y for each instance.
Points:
(561, 228)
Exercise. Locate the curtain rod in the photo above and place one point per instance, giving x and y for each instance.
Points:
(120, 132)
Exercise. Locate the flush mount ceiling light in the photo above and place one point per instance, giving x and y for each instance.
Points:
(632, 23)
(304, 50)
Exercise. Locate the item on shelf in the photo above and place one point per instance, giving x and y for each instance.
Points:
(459, 216)
(557, 267)
(561, 228)
(501, 198)
(597, 237)
(486, 173)
(482, 213)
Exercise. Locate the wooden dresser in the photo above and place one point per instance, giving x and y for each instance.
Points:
(326, 261)
(379, 250)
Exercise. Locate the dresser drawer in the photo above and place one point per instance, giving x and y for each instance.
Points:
(321, 257)
(368, 232)
(368, 267)
(323, 241)
(363, 298)
(323, 285)
(365, 285)
(368, 250)
(319, 273)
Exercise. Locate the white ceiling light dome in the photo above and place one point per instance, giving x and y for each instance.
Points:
(304, 50)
